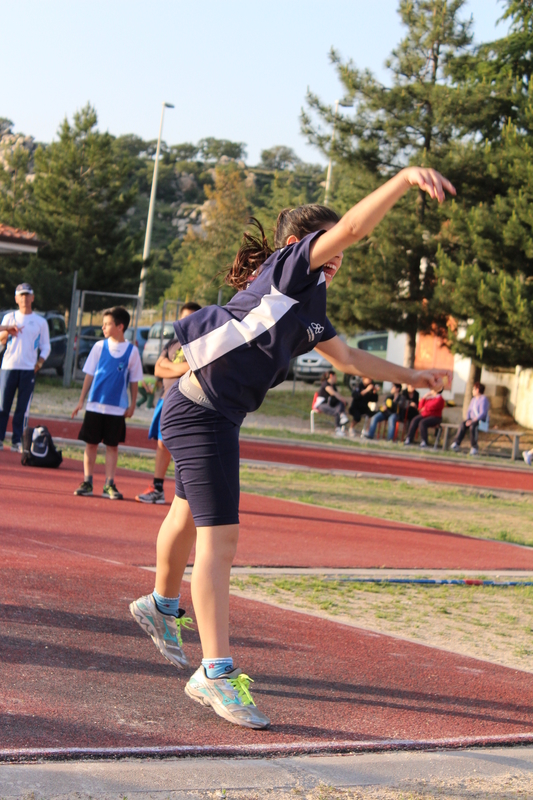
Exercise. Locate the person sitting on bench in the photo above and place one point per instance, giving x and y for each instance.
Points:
(364, 393)
(430, 408)
(330, 401)
(478, 411)
(388, 413)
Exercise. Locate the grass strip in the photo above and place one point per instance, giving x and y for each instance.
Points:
(488, 622)
(469, 511)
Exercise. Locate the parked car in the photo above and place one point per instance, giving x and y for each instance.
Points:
(153, 348)
(89, 335)
(58, 339)
(374, 342)
(309, 366)
(141, 337)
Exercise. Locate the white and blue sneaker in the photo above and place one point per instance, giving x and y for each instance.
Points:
(526, 455)
(229, 697)
(164, 629)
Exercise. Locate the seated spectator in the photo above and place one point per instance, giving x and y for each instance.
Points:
(478, 411)
(363, 394)
(329, 401)
(388, 413)
(409, 403)
(429, 416)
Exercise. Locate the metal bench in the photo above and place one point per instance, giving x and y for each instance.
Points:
(512, 436)
(312, 420)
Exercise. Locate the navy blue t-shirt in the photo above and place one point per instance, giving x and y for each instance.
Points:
(239, 351)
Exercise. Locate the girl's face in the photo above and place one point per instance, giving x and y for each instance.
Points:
(329, 269)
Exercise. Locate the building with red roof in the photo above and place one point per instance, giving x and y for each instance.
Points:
(16, 241)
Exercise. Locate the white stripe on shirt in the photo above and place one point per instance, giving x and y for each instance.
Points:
(235, 333)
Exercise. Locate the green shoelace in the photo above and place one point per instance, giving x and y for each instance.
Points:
(183, 622)
(241, 684)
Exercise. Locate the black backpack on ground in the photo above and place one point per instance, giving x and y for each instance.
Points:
(38, 448)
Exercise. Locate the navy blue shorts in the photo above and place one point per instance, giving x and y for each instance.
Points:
(205, 447)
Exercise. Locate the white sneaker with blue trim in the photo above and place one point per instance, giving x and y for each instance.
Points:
(228, 696)
(164, 629)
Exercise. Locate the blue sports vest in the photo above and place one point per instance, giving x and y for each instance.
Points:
(110, 382)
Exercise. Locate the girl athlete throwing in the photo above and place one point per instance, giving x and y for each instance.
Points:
(236, 354)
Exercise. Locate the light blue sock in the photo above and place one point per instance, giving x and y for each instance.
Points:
(217, 667)
(167, 605)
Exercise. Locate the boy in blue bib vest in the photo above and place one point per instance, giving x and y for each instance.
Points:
(111, 366)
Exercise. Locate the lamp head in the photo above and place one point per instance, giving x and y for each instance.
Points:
(168, 105)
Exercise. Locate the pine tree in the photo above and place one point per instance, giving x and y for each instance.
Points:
(485, 265)
(388, 281)
(81, 193)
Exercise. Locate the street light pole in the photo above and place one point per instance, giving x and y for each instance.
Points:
(150, 220)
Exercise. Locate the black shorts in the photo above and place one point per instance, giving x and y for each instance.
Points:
(106, 428)
(205, 447)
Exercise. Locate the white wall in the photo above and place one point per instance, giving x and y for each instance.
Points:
(396, 344)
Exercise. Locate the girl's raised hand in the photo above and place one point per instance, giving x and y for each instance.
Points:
(432, 379)
(430, 181)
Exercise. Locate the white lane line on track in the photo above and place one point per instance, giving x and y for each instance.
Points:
(372, 745)
(77, 553)
(306, 570)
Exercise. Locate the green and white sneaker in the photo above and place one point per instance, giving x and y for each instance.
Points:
(111, 492)
(164, 629)
(228, 696)
(85, 489)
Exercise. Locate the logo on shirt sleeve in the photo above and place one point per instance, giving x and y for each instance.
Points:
(314, 330)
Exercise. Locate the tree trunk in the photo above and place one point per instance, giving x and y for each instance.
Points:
(473, 376)
(410, 349)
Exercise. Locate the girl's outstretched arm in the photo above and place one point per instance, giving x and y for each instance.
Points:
(359, 362)
(360, 220)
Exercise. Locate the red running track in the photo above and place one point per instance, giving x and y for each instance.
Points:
(458, 472)
(40, 504)
(76, 671)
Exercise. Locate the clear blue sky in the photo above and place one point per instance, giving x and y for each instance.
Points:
(234, 70)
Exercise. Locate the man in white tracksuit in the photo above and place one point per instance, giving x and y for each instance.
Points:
(25, 354)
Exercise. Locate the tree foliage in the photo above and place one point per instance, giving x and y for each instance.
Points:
(279, 158)
(389, 280)
(207, 249)
(485, 264)
(81, 193)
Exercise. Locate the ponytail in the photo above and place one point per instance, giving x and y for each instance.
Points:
(255, 249)
(253, 252)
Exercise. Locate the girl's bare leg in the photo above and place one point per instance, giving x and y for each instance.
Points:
(215, 551)
(174, 544)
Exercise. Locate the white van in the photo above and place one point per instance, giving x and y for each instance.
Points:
(153, 346)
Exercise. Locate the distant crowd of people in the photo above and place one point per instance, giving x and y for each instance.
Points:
(402, 405)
